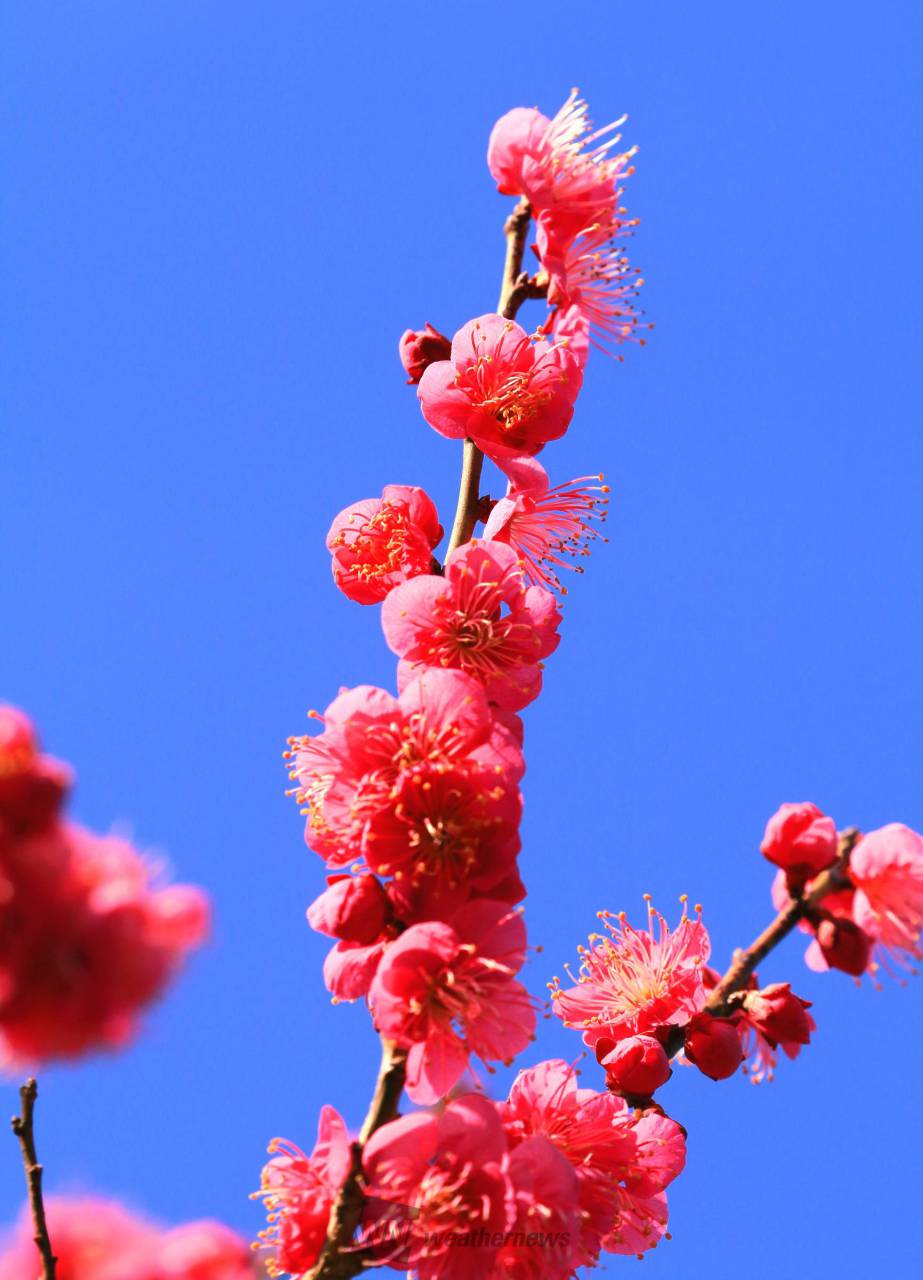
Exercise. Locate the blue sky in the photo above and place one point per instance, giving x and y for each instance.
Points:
(218, 219)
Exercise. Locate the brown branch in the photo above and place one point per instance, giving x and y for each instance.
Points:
(517, 286)
(339, 1260)
(745, 962)
(25, 1132)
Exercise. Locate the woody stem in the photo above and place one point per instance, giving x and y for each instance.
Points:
(24, 1129)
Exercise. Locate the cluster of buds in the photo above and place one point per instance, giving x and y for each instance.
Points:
(88, 938)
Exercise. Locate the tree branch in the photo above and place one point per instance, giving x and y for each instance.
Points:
(517, 286)
(745, 962)
(24, 1130)
(339, 1260)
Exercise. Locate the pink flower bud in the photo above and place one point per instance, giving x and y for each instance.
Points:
(778, 1014)
(352, 908)
(637, 1065)
(844, 945)
(800, 839)
(713, 1044)
(420, 348)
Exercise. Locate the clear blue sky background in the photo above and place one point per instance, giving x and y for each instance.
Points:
(218, 219)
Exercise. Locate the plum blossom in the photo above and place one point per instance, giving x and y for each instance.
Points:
(547, 527)
(97, 1239)
(624, 1159)
(768, 1019)
(886, 867)
(592, 286)
(480, 618)
(634, 982)
(447, 989)
(543, 1239)
(380, 542)
(507, 392)
(350, 775)
(87, 940)
(449, 834)
(562, 164)
(298, 1192)
(438, 1192)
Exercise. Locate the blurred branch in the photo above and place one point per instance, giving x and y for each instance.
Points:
(23, 1128)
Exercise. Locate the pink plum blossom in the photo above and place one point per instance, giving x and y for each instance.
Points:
(480, 618)
(547, 527)
(624, 1159)
(449, 834)
(562, 164)
(380, 542)
(542, 1242)
(298, 1192)
(350, 775)
(771, 1018)
(507, 392)
(636, 982)
(447, 990)
(438, 1192)
(886, 867)
(591, 278)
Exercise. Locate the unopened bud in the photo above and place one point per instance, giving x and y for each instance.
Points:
(844, 945)
(353, 908)
(713, 1045)
(779, 1015)
(800, 839)
(419, 348)
(637, 1065)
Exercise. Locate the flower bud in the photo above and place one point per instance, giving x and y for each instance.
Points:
(844, 945)
(800, 839)
(778, 1014)
(351, 908)
(713, 1045)
(637, 1065)
(419, 348)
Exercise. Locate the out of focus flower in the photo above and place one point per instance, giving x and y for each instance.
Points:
(349, 775)
(32, 785)
(508, 392)
(446, 990)
(99, 1240)
(380, 542)
(635, 982)
(298, 1192)
(480, 618)
(419, 348)
(87, 941)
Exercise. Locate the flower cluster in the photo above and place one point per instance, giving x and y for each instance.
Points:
(87, 939)
(101, 1240)
(870, 916)
(412, 800)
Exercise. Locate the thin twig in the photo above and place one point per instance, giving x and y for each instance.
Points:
(517, 286)
(24, 1131)
(339, 1260)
